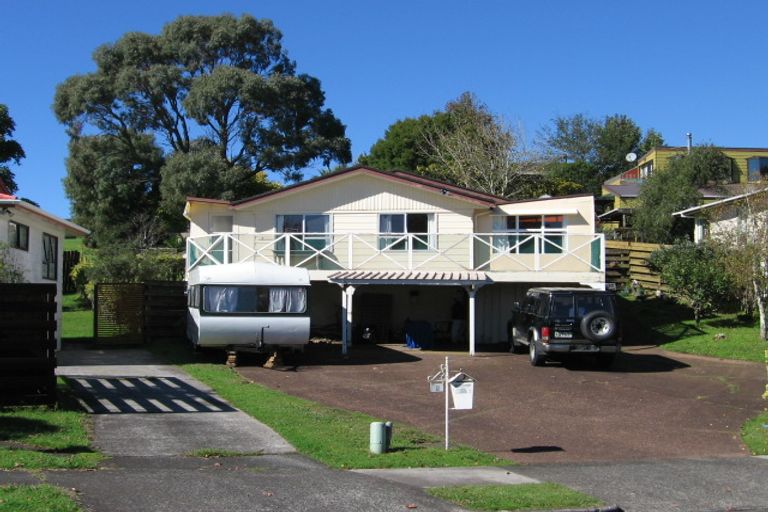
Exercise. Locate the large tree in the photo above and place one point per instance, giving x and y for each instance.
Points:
(402, 146)
(676, 188)
(477, 149)
(10, 150)
(220, 82)
(598, 147)
(113, 184)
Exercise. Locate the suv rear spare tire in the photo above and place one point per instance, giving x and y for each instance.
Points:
(598, 326)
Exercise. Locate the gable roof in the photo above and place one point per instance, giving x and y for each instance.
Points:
(414, 180)
(8, 200)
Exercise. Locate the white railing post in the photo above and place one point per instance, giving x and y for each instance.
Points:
(409, 241)
(471, 239)
(225, 243)
(287, 249)
(349, 251)
(537, 246)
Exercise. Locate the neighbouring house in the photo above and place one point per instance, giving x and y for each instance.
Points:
(384, 248)
(726, 214)
(749, 166)
(36, 241)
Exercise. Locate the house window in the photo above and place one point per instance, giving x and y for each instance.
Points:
(18, 235)
(399, 225)
(312, 231)
(50, 256)
(757, 168)
(221, 223)
(646, 169)
(525, 232)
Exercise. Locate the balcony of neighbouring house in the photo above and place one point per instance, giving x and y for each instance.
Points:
(509, 252)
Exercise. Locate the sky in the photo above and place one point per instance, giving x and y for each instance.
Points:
(677, 67)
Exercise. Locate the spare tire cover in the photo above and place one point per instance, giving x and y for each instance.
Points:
(598, 326)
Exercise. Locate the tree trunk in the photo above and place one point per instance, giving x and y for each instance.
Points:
(760, 299)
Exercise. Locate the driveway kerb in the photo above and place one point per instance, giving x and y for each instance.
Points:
(441, 477)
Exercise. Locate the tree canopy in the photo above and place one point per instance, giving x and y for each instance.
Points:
(676, 188)
(10, 150)
(598, 147)
(215, 88)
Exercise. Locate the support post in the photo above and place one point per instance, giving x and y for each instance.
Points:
(472, 292)
(344, 341)
(350, 291)
(446, 375)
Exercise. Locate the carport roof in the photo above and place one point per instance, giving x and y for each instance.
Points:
(409, 277)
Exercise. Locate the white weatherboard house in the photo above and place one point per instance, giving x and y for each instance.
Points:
(386, 247)
(36, 241)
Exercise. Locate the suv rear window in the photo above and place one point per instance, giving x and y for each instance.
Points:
(579, 305)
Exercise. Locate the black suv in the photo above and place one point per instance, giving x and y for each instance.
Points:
(562, 321)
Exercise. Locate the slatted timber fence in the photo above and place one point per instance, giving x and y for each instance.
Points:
(27, 344)
(133, 313)
(629, 261)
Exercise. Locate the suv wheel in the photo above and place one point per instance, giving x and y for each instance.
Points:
(537, 358)
(598, 326)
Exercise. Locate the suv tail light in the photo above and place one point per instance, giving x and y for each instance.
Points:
(545, 334)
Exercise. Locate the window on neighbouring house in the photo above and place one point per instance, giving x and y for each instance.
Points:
(18, 236)
(312, 231)
(523, 233)
(50, 256)
(646, 169)
(757, 168)
(395, 228)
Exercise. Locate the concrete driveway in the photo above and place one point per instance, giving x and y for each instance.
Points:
(652, 405)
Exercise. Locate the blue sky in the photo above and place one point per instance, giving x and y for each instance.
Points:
(674, 66)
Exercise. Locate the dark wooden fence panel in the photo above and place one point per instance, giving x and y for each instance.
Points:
(165, 310)
(140, 312)
(118, 313)
(27, 343)
(71, 258)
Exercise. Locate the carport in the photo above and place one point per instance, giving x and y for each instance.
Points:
(350, 281)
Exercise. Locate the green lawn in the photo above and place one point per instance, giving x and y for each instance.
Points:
(73, 244)
(46, 438)
(754, 433)
(77, 318)
(670, 325)
(515, 497)
(35, 498)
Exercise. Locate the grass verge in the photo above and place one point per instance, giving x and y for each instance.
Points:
(35, 498)
(544, 496)
(46, 438)
(336, 437)
(662, 322)
(754, 433)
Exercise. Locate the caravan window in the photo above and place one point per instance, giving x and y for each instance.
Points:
(254, 299)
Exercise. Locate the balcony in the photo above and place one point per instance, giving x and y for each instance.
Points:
(509, 252)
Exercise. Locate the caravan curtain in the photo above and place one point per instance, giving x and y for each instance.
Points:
(221, 299)
(287, 300)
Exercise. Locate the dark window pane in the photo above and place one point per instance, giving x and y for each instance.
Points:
(418, 223)
(553, 244)
(530, 222)
(292, 224)
(553, 221)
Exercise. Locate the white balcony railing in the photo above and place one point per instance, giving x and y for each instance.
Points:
(507, 252)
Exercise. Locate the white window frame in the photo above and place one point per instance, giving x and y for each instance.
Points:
(502, 244)
(431, 234)
(322, 235)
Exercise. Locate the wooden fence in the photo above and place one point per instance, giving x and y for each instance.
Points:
(131, 313)
(629, 261)
(27, 343)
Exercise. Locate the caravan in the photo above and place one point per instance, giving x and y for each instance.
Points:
(248, 307)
